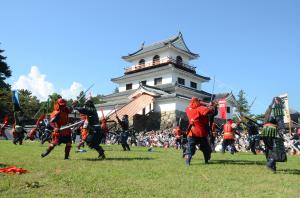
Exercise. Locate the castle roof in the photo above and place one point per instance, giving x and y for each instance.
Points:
(176, 42)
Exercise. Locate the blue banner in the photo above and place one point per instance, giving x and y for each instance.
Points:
(15, 100)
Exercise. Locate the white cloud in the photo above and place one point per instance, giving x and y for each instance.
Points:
(41, 88)
(36, 83)
(73, 91)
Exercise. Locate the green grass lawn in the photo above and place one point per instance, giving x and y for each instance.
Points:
(139, 173)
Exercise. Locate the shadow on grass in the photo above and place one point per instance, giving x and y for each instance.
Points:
(289, 171)
(135, 151)
(119, 159)
(238, 162)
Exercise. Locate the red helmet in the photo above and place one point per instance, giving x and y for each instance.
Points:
(61, 102)
(194, 103)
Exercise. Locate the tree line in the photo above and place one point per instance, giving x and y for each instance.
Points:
(31, 106)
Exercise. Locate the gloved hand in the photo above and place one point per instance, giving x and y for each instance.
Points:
(55, 133)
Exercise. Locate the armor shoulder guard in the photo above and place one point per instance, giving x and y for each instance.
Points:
(54, 116)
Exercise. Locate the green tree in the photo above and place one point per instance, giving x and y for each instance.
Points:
(81, 98)
(116, 90)
(30, 106)
(6, 107)
(98, 99)
(5, 92)
(5, 71)
(242, 103)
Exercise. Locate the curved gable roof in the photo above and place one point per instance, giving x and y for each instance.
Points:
(175, 41)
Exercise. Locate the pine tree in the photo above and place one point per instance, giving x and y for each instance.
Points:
(81, 98)
(243, 107)
(5, 94)
(5, 71)
(116, 90)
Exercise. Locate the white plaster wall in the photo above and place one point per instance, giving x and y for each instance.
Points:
(164, 106)
(171, 105)
(148, 109)
(187, 80)
(122, 87)
(149, 57)
(135, 85)
(173, 54)
(166, 79)
(166, 53)
(181, 105)
(105, 112)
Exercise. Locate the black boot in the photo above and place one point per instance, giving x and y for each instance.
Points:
(67, 151)
(271, 165)
(101, 153)
(50, 148)
(45, 153)
(188, 159)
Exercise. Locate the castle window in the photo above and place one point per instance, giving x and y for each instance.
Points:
(129, 86)
(228, 109)
(158, 81)
(144, 111)
(178, 60)
(156, 60)
(193, 85)
(181, 81)
(144, 82)
(142, 62)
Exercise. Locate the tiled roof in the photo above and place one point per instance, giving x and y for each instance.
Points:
(160, 91)
(200, 92)
(176, 41)
(133, 107)
(157, 68)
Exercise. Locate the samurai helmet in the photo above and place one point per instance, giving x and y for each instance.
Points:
(61, 102)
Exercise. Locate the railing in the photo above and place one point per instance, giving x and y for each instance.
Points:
(158, 62)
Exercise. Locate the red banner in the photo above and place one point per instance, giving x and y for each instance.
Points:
(13, 170)
(222, 109)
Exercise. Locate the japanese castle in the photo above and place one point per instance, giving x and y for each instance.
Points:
(157, 86)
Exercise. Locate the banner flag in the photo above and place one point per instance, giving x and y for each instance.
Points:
(223, 109)
(15, 100)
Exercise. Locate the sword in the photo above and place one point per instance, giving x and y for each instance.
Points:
(70, 125)
(83, 95)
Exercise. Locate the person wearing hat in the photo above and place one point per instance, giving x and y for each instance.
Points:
(92, 127)
(124, 123)
(197, 132)
(18, 134)
(58, 118)
(253, 136)
(274, 147)
(229, 136)
(18, 130)
(3, 127)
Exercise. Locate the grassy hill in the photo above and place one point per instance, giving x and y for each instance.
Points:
(139, 173)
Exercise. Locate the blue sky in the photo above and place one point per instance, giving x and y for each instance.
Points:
(250, 45)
